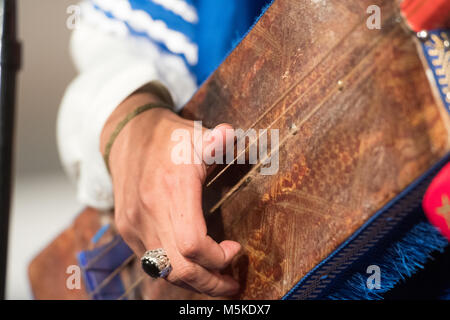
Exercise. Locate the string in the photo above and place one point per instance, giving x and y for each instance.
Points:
(241, 181)
(102, 254)
(278, 101)
(132, 287)
(110, 277)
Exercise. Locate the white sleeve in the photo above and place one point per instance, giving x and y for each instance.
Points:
(111, 66)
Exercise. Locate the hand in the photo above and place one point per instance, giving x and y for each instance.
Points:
(158, 203)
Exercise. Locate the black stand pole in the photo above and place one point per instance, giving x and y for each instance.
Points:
(10, 62)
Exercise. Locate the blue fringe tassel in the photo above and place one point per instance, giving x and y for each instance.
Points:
(401, 260)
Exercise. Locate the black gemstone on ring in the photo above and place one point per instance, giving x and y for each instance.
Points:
(150, 268)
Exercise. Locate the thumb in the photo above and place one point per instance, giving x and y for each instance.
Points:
(230, 249)
(214, 143)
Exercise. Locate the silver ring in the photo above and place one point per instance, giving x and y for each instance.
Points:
(156, 263)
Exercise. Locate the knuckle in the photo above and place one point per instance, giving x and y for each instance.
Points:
(189, 247)
(132, 216)
(122, 225)
(187, 273)
(146, 196)
(127, 216)
(213, 291)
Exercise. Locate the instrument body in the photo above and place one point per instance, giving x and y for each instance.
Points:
(357, 124)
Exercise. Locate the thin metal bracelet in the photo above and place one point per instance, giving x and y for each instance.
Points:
(124, 122)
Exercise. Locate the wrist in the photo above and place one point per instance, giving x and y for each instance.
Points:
(128, 105)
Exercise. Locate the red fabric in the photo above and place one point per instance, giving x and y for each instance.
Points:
(426, 14)
(436, 202)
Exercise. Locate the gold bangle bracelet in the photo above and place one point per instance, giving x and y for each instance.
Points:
(124, 122)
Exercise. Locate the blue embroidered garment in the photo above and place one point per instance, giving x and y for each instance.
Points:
(202, 32)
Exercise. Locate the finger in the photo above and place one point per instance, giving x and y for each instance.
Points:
(227, 131)
(188, 274)
(190, 230)
(208, 253)
(211, 144)
(215, 143)
(202, 280)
